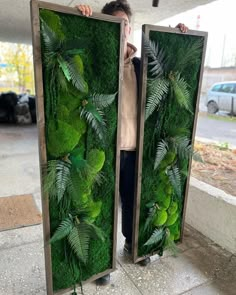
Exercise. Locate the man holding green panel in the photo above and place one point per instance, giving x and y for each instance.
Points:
(130, 90)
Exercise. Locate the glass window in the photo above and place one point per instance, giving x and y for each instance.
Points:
(216, 88)
(234, 90)
(227, 88)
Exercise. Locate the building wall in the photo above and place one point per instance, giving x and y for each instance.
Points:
(214, 75)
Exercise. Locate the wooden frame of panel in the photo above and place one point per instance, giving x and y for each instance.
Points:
(140, 137)
(35, 6)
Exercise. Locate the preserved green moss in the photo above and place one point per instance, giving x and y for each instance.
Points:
(62, 138)
(98, 63)
(164, 123)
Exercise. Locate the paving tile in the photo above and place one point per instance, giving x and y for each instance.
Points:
(193, 239)
(165, 276)
(212, 288)
(209, 260)
(22, 270)
(120, 285)
(20, 236)
(20, 174)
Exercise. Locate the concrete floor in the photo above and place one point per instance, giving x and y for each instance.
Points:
(201, 267)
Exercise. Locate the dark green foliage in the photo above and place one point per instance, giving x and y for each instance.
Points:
(157, 91)
(175, 179)
(92, 112)
(173, 72)
(155, 238)
(78, 67)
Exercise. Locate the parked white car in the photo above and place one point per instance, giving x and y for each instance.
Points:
(222, 97)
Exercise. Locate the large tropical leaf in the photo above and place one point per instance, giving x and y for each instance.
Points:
(50, 41)
(96, 232)
(56, 178)
(64, 67)
(180, 90)
(79, 239)
(157, 57)
(76, 77)
(155, 238)
(175, 179)
(185, 150)
(149, 220)
(102, 101)
(63, 229)
(80, 164)
(157, 91)
(62, 178)
(162, 149)
(94, 118)
(49, 179)
(183, 147)
(172, 131)
(170, 245)
(53, 20)
(188, 55)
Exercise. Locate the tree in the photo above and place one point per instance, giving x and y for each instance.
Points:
(18, 58)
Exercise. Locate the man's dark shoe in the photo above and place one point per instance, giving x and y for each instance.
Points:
(128, 248)
(103, 281)
(145, 261)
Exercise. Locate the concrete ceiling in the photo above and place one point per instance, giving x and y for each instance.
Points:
(15, 15)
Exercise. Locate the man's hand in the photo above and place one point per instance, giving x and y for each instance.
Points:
(86, 10)
(182, 28)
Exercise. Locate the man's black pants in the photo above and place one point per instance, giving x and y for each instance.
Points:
(127, 177)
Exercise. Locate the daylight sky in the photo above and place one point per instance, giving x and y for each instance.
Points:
(219, 20)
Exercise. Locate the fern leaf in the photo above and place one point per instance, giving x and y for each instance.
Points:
(64, 67)
(63, 230)
(50, 40)
(80, 164)
(62, 82)
(76, 77)
(157, 91)
(49, 178)
(102, 101)
(180, 90)
(53, 20)
(174, 131)
(170, 245)
(162, 149)
(149, 220)
(62, 178)
(79, 239)
(96, 232)
(185, 149)
(155, 238)
(175, 180)
(99, 178)
(57, 178)
(191, 54)
(95, 120)
(96, 112)
(157, 57)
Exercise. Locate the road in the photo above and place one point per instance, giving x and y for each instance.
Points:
(216, 130)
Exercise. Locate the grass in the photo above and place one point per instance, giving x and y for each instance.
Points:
(218, 117)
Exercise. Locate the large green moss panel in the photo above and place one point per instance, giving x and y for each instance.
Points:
(101, 72)
(155, 184)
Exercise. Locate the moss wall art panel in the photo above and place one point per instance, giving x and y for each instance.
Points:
(171, 67)
(80, 79)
